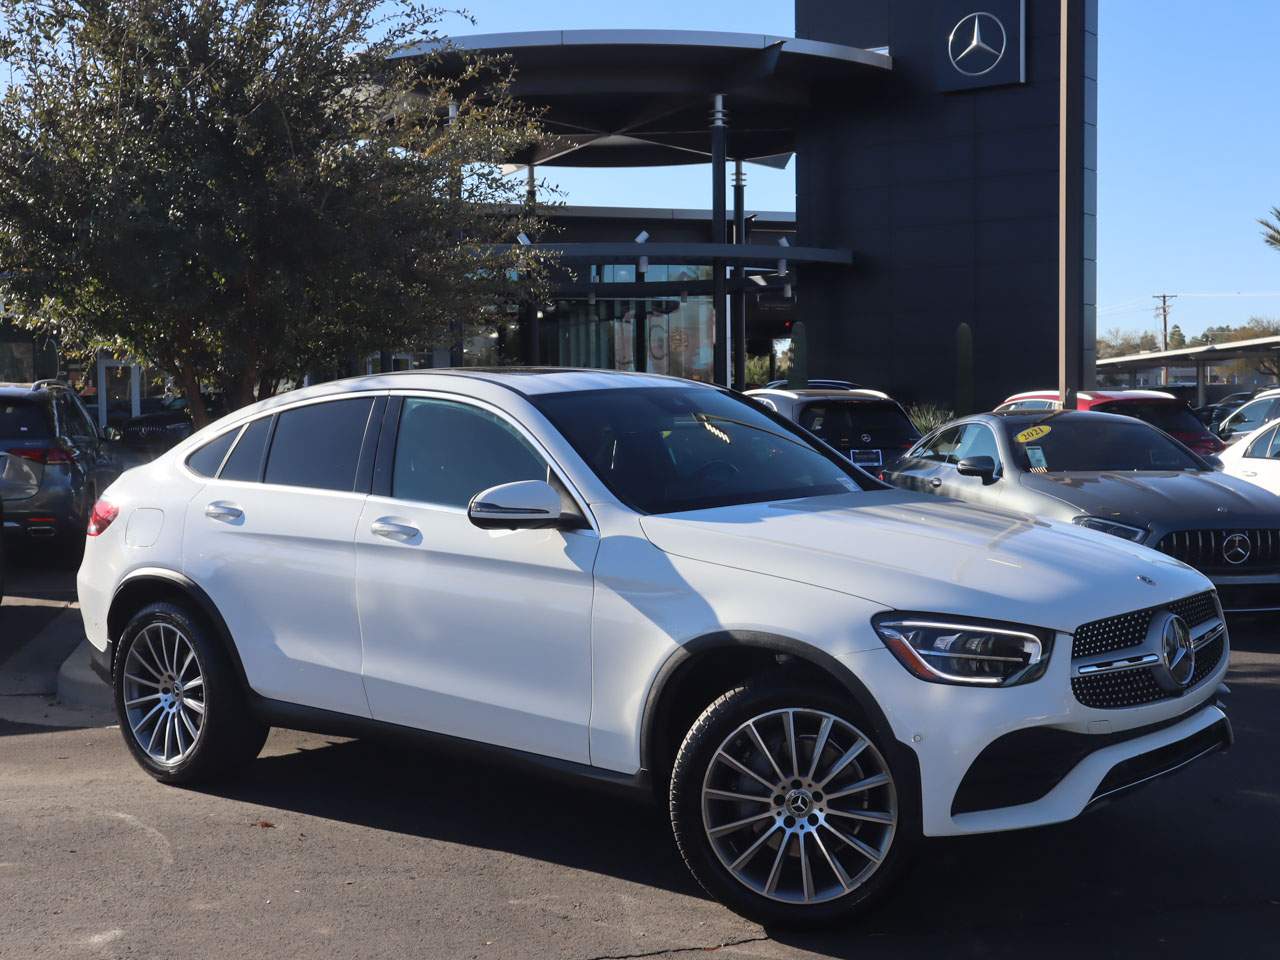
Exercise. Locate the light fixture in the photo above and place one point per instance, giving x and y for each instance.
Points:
(642, 236)
(591, 297)
(523, 239)
(758, 278)
(786, 291)
(784, 242)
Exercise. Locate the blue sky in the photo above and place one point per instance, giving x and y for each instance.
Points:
(1189, 144)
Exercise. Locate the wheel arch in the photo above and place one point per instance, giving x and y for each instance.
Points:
(157, 585)
(725, 657)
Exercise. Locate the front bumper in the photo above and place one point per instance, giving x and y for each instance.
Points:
(1108, 749)
(1248, 594)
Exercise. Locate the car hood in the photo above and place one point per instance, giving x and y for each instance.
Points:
(1166, 500)
(913, 552)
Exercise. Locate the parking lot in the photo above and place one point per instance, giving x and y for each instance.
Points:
(337, 848)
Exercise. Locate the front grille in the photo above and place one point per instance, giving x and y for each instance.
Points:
(1132, 688)
(1252, 550)
(1130, 629)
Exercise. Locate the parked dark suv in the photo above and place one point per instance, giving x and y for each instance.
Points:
(54, 465)
(169, 421)
(867, 426)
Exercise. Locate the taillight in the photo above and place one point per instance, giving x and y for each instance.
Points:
(43, 454)
(103, 514)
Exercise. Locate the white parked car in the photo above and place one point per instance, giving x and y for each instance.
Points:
(652, 583)
(1256, 457)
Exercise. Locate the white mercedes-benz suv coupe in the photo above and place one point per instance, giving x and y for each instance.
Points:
(651, 583)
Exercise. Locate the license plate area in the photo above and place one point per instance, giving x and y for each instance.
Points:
(866, 458)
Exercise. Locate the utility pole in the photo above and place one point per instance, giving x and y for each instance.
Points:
(1164, 299)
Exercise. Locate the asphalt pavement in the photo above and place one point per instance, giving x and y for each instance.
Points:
(337, 848)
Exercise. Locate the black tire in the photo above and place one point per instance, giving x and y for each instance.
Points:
(228, 735)
(768, 701)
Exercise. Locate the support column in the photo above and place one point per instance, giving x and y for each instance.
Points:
(719, 231)
(1071, 159)
(1200, 385)
(738, 313)
(456, 333)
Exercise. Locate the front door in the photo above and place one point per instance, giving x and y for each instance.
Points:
(479, 634)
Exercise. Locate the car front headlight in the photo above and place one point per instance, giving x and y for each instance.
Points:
(1122, 530)
(943, 650)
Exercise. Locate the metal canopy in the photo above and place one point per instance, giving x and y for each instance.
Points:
(632, 98)
(1209, 354)
(747, 254)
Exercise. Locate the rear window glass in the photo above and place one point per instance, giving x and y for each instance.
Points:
(208, 458)
(20, 419)
(319, 445)
(844, 423)
(245, 462)
(1170, 416)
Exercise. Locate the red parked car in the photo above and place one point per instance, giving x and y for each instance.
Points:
(1160, 409)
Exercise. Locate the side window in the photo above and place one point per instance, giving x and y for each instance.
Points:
(1250, 416)
(245, 462)
(319, 445)
(978, 441)
(208, 458)
(942, 446)
(448, 452)
(75, 420)
(1266, 446)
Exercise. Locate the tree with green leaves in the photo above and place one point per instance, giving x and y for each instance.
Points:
(1177, 339)
(243, 192)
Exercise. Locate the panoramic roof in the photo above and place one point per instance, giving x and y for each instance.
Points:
(631, 98)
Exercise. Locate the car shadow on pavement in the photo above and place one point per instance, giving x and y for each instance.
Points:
(1138, 872)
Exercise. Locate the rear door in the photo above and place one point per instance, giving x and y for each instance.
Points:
(271, 540)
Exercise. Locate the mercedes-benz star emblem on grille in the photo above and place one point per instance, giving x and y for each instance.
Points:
(1236, 549)
(977, 44)
(866, 438)
(1177, 653)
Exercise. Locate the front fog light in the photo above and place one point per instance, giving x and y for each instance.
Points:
(944, 651)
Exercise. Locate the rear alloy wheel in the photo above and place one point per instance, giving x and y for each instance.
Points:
(786, 809)
(164, 693)
(182, 709)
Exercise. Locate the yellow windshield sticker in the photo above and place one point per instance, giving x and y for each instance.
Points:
(1032, 433)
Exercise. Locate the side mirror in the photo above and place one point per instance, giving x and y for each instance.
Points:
(983, 467)
(524, 505)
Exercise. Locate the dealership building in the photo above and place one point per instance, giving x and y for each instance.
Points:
(942, 245)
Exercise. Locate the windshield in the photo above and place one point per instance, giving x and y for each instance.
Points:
(858, 423)
(22, 420)
(1053, 445)
(669, 449)
(1171, 416)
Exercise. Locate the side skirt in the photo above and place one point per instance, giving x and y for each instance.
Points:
(293, 716)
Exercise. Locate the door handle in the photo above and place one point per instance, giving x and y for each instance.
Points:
(226, 512)
(392, 528)
(1248, 473)
(935, 482)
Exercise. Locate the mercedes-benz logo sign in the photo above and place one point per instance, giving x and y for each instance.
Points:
(977, 44)
(866, 438)
(1177, 653)
(1236, 549)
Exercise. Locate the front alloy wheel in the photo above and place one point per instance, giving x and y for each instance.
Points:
(786, 809)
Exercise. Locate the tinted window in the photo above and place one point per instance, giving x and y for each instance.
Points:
(448, 452)
(1169, 415)
(319, 445)
(1089, 445)
(74, 422)
(1265, 447)
(208, 458)
(848, 424)
(22, 420)
(668, 449)
(245, 462)
(941, 446)
(1249, 417)
(977, 441)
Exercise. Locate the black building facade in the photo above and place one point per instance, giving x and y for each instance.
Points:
(949, 199)
(942, 247)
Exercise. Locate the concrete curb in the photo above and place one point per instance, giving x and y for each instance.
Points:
(78, 685)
